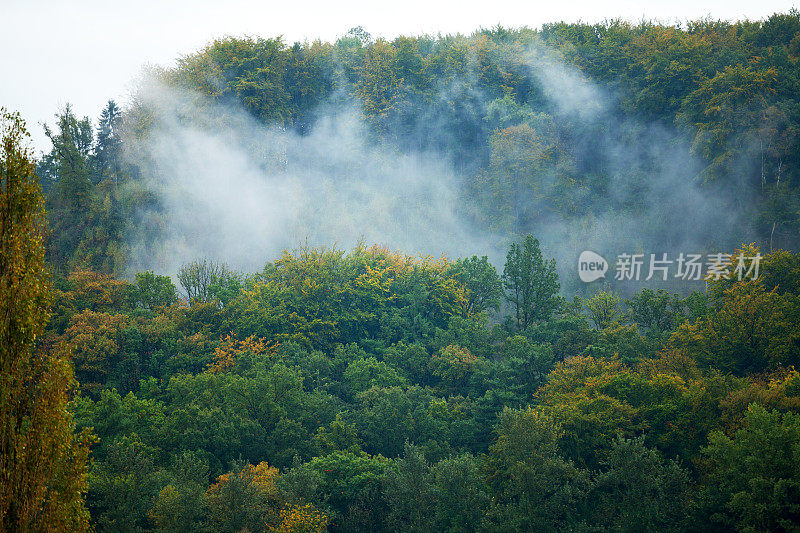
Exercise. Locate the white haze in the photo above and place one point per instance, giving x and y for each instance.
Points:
(238, 191)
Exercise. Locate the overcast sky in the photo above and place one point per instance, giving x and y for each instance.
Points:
(87, 51)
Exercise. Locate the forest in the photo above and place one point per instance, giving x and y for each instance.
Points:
(411, 350)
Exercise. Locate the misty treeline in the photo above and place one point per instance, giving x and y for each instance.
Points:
(353, 388)
(613, 137)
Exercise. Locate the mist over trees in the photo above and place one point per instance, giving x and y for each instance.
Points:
(252, 354)
(612, 137)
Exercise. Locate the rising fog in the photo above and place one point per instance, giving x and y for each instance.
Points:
(236, 190)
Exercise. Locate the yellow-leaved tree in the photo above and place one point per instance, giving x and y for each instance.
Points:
(42, 461)
(301, 518)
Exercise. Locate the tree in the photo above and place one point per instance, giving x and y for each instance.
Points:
(378, 87)
(656, 312)
(780, 270)
(603, 309)
(42, 462)
(455, 366)
(337, 436)
(518, 186)
(352, 484)
(108, 146)
(95, 339)
(69, 159)
(527, 363)
(207, 281)
(90, 220)
(247, 498)
(534, 487)
(407, 490)
(124, 485)
(753, 479)
(250, 70)
(531, 282)
(460, 494)
(639, 491)
(450, 495)
(153, 291)
(723, 110)
(480, 279)
(301, 518)
(363, 373)
(70, 197)
(750, 330)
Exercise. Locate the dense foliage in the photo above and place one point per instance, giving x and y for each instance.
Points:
(368, 390)
(360, 391)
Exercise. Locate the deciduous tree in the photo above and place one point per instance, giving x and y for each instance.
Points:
(531, 282)
(42, 461)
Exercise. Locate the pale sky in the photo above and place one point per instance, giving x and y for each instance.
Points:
(88, 51)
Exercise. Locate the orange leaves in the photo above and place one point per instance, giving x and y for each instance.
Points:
(230, 349)
(264, 477)
(94, 338)
(248, 495)
(778, 390)
(98, 291)
(261, 477)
